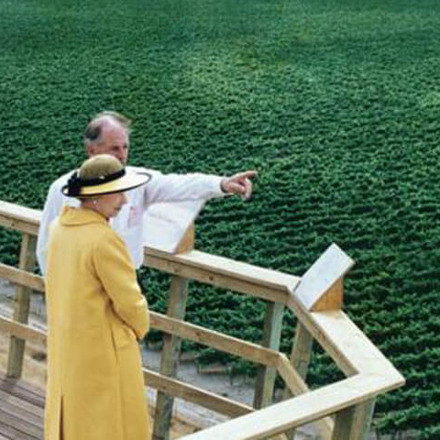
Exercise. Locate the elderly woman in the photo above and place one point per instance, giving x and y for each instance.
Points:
(96, 313)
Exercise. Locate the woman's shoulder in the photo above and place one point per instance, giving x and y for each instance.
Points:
(110, 250)
(105, 237)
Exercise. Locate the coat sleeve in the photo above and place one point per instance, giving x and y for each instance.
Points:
(181, 187)
(116, 271)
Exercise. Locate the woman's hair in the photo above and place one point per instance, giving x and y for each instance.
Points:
(100, 165)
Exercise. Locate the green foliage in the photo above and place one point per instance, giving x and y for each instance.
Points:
(335, 103)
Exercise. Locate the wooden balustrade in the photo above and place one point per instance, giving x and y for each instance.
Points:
(316, 299)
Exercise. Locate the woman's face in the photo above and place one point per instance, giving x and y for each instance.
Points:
(109, 205)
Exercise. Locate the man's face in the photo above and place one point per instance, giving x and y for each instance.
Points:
(113, 140)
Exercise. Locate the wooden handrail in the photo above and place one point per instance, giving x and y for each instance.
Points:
(223, 272)
(19, 218)
(370, 373)
(299, 410)
(171, 386)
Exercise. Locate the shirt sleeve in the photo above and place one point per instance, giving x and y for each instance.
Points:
(181, 187)
(52, 208)
(116, 271)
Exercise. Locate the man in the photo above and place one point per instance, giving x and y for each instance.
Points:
(108, 132)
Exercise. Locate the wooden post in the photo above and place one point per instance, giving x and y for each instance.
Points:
(300, 358)
(21, 307)
(321, 288)
(343, 424)
(363, 415)
(170, 358)
(169, 361)
(265, 381)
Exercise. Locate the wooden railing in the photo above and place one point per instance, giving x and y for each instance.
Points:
(342, 410)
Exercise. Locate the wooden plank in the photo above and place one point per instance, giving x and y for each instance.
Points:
(21, 331)
(19, 212)
(32, 391)
(190, 393)
(187, 242)
(222, 281)
(19, 418)
(20, 425)
(22, 416)
(343, 424)
(298, 411)
(323, 326)
(21, 277)
(22, 390)
(19, 218)
(219, 341)
(228, 344)
(337, 331)
(24, 395)
(11, 433)
(29, 408)
(363, 416)
(18, 225)
(230, 268)
(297, 386)
(190, 265)
(292, 379)
(265, 379)
(301, 350)
(308, 320)
(354, 423)
(22, 384)
(333, 299)
(170, 358)
(22, 306)
(332, 265)
(299, 360)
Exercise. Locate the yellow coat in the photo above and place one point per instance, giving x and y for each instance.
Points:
(96, 312)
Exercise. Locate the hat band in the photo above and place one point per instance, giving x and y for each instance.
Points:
(75, 183)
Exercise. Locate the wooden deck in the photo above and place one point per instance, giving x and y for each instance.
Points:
(21, 410)
(316, 299)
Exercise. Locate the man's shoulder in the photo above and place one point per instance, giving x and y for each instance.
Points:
(156, 177)
(142, 170)
(61, 181)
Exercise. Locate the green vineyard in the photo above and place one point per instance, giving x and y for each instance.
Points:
(336, 104)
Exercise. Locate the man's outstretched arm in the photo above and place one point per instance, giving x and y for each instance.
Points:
(196, 186)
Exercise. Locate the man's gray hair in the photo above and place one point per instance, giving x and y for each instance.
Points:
(94, 128)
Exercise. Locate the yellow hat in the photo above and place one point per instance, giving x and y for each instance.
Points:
(119, 181)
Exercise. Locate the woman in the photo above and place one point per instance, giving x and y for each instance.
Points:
(96, 313)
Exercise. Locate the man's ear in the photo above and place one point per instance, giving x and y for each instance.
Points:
(90, 150)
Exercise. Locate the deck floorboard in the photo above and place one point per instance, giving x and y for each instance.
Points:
(21, 410)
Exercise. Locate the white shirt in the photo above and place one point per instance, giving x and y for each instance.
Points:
(130, 222)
